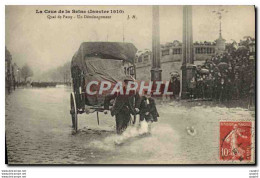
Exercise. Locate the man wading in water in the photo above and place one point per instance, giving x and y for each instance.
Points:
(148, 111)
(124, 105)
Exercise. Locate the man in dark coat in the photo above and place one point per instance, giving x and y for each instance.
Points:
(124, 105)
(210, 86)
(192, 88)
(229, 89)
(176, 88)
(148, 109)
(222, 90)
(174, 85)
(237, 87)
(216, 86)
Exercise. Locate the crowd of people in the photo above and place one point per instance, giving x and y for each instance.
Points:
(223, 77)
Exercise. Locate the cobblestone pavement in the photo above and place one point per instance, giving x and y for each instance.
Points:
(38, 131)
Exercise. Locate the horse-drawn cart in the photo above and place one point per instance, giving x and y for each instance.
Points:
(97, 61)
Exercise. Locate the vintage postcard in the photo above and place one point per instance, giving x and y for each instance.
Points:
(130, 85)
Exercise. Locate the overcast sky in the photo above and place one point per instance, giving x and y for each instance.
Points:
(43, 44)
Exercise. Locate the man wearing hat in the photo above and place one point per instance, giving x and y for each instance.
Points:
(174, 85)
(148, 111)
(124, 105)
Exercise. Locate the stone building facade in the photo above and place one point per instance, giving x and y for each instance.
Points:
(171, 58)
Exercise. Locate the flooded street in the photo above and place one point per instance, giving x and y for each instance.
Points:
(38, 131)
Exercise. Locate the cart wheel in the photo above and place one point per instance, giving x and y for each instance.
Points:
(73, 112)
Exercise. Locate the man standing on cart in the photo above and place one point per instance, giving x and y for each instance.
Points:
(124, 105)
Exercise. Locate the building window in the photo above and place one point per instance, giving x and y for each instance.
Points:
(146, 58)
(252, 48)
(204, 50)
(140, 59)
(176, 51)
(165, 52)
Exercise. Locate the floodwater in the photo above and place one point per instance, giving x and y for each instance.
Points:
(38, 131)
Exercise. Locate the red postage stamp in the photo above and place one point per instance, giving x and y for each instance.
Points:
(235, 141)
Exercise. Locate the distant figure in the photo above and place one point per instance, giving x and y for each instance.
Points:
(222, 90)
(171, 84)
(175, 85)
(192, 88)
(229, 89)
(204, 86)
(210, 86)
(251, 97)
(178, 87)
(200, 87)
(14, 83)
(237, 86)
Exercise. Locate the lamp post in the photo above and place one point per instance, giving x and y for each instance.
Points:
(219, 14)
(220, 42)
(188, 67)
(156, 72)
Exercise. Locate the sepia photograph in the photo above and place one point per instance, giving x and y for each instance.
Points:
(130, 85)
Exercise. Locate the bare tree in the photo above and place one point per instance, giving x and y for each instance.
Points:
(26, 72)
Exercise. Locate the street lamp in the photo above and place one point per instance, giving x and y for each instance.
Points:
(220, 42)
(219, 14)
